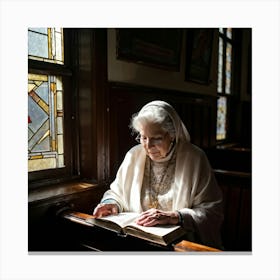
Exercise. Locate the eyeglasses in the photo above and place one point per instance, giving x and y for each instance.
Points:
(153, 140)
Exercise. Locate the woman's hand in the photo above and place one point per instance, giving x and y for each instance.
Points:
(104, 209)
(154, 217)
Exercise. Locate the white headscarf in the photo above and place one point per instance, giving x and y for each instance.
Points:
(182, 133)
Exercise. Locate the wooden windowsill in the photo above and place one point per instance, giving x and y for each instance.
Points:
(58, 190)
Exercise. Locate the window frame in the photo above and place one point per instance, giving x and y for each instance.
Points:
(50, 176)
(86, 111)
(230, 97)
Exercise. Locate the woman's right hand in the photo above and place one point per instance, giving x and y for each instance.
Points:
(105, 209)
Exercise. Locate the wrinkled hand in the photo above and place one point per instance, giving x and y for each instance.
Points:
(154, 217)
(103, 209)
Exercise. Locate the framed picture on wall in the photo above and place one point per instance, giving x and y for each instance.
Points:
(198, 54)
(156, 47)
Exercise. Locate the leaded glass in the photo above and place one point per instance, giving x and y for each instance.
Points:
(46, 44)
(228, 69)
(221, 118)
(45, 122)
(229, 33)
(224, 79)
(220, 66)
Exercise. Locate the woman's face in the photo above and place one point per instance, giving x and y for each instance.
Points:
(156, 141)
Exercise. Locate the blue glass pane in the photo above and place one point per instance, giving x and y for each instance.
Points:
(39, 30)
(37, 44)
(36, 114)
(46, 44)
(43, 92)
(41, 134)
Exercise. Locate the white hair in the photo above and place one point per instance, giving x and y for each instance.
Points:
(154, 115)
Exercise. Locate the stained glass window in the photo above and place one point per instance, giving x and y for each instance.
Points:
(46, 44)
(220, 66)
(45, 105)
(228, 69)
(224, 61)
(229, 33)
(224, 82)
(221, 118)
(45, 122)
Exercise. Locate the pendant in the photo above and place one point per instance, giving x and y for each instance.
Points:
(154, 204)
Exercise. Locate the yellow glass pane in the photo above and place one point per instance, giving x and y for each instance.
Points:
(60, 160)
(41, 164)
(59, 125)
(221, 118)
(43, 105)
(58, 84)
(60, 144)
(59, 101)
(37, 77)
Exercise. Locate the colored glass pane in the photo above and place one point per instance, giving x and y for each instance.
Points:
(37, 43)
(46, 44)
(224, 79)
(221, 118)
(220, 66)
(229, 33)
(228, 69)
(45, 122)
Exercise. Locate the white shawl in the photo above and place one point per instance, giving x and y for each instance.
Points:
(196, 193)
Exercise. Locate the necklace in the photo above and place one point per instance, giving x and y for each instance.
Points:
(154, 192)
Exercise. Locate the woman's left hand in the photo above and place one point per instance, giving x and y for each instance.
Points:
(154, 217)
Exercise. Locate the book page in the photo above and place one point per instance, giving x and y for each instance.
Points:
(122, 219)
(160, 230)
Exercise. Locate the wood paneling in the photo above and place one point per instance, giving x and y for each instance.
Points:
(197, 112)
(92, 103)
(237, 226)
(45, 231)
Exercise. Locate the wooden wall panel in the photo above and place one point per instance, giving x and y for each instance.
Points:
(45, 232)
(197, 112)
(237, 225)
(244, 235)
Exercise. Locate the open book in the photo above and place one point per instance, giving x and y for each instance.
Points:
(124, 223)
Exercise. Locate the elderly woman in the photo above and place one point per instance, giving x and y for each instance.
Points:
(166, 178)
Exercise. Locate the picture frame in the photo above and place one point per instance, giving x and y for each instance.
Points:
(199, 43)
(155, 47)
